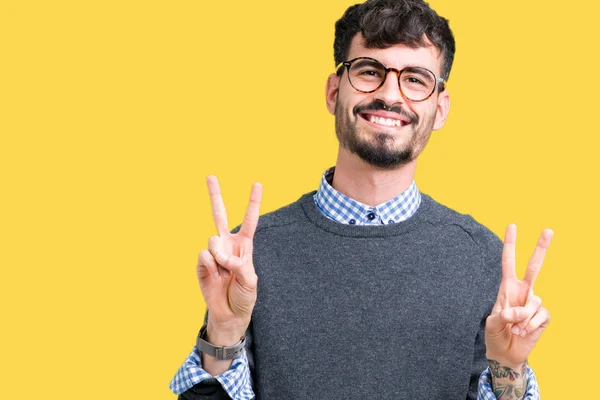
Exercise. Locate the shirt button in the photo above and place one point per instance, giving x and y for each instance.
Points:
(391, 221)
(352, 222)
(371, 216)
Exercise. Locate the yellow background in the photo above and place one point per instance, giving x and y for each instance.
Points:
(112, 113)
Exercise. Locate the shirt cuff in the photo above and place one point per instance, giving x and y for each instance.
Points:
(236, 380)
(485, 391)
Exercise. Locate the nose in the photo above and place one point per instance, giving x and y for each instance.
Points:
(389, 92)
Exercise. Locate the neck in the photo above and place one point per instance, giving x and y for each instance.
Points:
(368, 184)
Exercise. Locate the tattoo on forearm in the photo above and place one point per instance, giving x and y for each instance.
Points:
(507, 383)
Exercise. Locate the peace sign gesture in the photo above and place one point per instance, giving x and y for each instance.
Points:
(226, 271)
(518, 318)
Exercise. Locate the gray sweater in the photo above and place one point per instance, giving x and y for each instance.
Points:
(371, 312)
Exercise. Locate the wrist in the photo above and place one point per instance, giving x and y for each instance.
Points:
(499, 361)
(224, 334)
(219, 352)
(508, 382)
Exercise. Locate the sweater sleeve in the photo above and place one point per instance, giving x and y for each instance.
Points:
(488, 280)
(480, 387)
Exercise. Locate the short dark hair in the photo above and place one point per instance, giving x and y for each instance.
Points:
(387, 22)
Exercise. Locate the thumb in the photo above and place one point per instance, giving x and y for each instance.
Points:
(243, 270)
(496, 322)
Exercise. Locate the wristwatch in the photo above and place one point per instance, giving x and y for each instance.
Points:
(219, 352)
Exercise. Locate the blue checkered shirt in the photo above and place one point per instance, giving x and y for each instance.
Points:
(334, 205)
(485, 386)
(341, 208)
(236, 381)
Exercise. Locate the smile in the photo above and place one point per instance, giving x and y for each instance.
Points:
(384, 120)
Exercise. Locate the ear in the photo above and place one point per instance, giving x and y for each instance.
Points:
(443, 107)
(331, 92)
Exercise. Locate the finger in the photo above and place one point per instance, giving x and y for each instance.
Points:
(217, 205)
(543, 320)
(498, 305)
(537, 258)
(495, 323)
(508, 252)
(501, 300)
(534, 303)
(206, 260)
(244, 272)
(224, 272)
(243, 269)
(251, 219)
(223, 259)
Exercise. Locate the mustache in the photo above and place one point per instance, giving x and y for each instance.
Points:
(379, 105)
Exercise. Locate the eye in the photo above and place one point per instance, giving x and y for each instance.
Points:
(413, 80)
(370, 72)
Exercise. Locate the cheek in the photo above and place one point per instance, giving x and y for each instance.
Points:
(343, 108)
(426, 114)
(348, 98)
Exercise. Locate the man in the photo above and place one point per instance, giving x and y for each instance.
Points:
(368, 288)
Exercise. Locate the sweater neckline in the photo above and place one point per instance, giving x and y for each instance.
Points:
(363, 231)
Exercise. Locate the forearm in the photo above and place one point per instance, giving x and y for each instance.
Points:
(508, 382)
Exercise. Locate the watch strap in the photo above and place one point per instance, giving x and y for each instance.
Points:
(219, 352)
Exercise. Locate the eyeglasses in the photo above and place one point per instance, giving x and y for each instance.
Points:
(366, 75)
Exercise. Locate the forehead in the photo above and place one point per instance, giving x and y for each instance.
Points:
(398, 55)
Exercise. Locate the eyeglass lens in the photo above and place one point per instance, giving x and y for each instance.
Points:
(416, 83)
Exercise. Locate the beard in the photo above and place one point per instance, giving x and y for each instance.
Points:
(381, 151)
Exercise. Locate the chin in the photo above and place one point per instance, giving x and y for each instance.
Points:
(383, 157)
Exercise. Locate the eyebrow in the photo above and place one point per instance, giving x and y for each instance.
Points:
(410, 67)
(367, 62)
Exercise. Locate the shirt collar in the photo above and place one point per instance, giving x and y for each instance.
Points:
(341, 208)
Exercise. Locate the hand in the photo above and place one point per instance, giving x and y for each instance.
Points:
(226, 271)
(518, 318)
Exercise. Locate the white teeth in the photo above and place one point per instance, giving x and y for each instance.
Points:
(385, 121)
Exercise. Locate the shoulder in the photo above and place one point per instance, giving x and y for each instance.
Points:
(286, 215)
(486, 243)
(442, 216)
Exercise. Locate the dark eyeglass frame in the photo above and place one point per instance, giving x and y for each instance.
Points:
(347, 64)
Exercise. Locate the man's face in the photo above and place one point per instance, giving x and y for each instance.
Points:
(363, 124)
